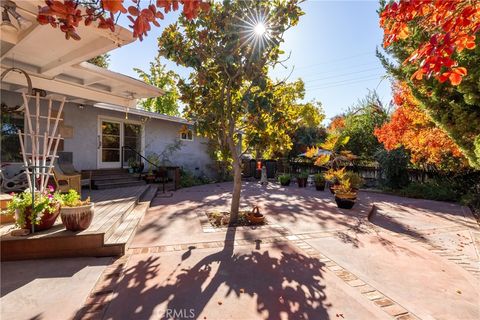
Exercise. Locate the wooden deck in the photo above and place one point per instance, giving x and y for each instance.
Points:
(116, 216)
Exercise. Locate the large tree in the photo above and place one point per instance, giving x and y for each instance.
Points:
(102, 61)
(434, 46)
(229, 48)
(359, 123)
(166, 80)
(410, 128)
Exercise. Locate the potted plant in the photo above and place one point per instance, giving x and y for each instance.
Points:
(319, 181)
(345, 197)
(76, 214)
(334, 177)
(132, 165)
(45, 210)
(346, 192)
(284, 179)
(302, 179)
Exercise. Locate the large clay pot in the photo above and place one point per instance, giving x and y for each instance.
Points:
(47, 221)
(345, 200)
(320, 186)
(77, 218)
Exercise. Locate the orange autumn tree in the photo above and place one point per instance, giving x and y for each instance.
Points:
(104, 14)
(451, 27)
(411, 128)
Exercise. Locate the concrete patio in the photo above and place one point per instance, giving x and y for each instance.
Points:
(414, 259)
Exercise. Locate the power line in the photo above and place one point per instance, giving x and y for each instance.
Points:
(339, 59)
(360, 80)
(343, 74)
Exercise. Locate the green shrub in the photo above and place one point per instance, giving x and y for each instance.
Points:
(393, 166)
(188, 179)
(284, 178)
(303, 175)
(355, 180)
(319, 178)
(432, 190)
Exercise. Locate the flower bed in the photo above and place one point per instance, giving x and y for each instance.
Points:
(220, 219)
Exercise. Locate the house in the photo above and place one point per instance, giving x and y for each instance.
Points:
(100, 116)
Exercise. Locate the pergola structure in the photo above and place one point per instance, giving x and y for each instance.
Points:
(57, 65)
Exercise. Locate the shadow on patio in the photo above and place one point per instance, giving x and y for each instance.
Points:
(280, 284)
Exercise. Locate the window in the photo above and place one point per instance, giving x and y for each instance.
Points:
(11, 121)
(186, 133)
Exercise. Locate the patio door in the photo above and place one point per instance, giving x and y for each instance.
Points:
(112, 135)
(109, 143)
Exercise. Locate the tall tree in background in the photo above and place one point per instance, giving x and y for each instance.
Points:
(410, 128)
(230, 48)
(166, 80)
(359, 123)
(434, 45)
(102, 61)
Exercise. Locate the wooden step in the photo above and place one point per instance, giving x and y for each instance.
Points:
(113, 208)
(119, 184)
(120, 240)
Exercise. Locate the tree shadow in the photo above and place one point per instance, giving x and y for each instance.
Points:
(282, 282)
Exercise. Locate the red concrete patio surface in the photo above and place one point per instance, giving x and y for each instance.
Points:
(414, 259)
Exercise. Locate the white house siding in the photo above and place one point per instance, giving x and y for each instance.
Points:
(156, 135)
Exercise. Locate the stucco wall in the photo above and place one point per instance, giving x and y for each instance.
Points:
(157, 135)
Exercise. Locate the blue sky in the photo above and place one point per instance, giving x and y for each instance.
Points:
(332, 50)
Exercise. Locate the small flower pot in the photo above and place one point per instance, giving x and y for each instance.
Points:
(131, 170)
(285, 183)
(344, 203)
(320, 187)
(302, 182)
(46, 222)
(77, 218)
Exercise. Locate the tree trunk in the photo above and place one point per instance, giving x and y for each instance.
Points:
(237, 178)
(237, 188)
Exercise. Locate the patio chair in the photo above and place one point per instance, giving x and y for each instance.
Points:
(65, 182)
(65, 162)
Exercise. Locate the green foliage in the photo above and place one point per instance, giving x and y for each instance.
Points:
(360, 122)
(456, 109)
(228, 91)
(187, 179)
(432, 190)
(311, 114)
(393, 166)
(21, 205)
(284, 178)
(159, 77)
(72, 199)
(303, 175)
(305, 137)
(319, 178)
(354, 179)
(102, 61)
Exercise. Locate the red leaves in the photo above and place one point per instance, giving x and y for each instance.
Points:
(113, 6)
(66, 14)
(411, 128)
(451, 24)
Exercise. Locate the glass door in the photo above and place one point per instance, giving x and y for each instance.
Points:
(109, 144)
(132, 138)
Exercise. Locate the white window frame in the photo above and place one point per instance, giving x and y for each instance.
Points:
(186, 133)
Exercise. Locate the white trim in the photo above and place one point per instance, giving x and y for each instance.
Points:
(143, 113)
(190, 140)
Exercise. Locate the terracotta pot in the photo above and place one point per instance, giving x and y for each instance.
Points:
(77, 218)
(302, 182)
(344, 203)
(320, 187)
(255, 216)
(47, 221)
